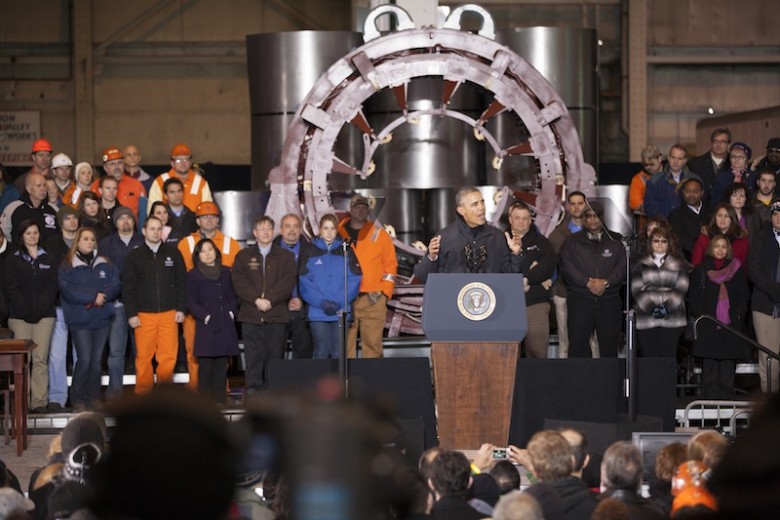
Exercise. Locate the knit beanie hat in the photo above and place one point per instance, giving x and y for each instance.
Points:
(64, 212)
(745, 148)
(122, 210)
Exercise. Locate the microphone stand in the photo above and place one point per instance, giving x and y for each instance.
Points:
(630, 381)
(343, 324)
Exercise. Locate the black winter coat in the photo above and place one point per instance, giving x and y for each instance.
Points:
(154, 282)
(488, 247)
(763, 257)
(539, 262)
(31, 286)
(581, 258)
(215, 298)
(712, 342)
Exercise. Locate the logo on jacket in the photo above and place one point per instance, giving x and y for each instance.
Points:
(318, 262)
(607, 253)
(476, 301)
(49, 221)
(168, 261)
(102, 274)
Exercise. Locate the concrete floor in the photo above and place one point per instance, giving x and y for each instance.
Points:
(33, 458)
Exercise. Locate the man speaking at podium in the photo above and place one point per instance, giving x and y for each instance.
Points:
(470, 244)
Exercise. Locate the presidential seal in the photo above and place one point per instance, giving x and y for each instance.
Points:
(476, 301)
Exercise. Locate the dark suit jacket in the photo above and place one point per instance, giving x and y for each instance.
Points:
(687, 226)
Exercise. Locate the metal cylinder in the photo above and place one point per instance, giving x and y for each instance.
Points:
(282, 69)
(568, 58)
(240, 209)
(434, 153)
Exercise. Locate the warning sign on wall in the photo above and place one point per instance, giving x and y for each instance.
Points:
(18, 130)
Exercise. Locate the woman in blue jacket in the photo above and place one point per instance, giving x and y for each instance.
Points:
(321, 285)
(212, 301)
(89, 284)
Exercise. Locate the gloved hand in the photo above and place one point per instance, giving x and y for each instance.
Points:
(374, 297)
(330, 307)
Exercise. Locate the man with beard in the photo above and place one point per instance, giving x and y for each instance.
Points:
(763, 198)
(572, 223)
(375, 253)
(116, 247)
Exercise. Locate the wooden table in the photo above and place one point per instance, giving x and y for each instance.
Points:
(14, 358)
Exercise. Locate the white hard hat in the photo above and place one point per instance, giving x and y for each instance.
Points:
(61, 160)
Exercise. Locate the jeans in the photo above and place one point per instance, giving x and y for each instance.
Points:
(117, 346)
(326, 339)
(261, 343)
(89, 344)
(58, 361)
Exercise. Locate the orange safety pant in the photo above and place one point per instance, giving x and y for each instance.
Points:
(189, 347)
(157, 337)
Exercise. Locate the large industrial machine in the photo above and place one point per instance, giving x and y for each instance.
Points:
(410, 116)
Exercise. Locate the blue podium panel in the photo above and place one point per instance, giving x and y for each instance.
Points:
(474, 307)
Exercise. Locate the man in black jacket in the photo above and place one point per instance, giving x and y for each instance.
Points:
(470, 244)
(687, 220)
(153, 291)
(713, 162)
(538, 261)
(593, 264)
(763, 259)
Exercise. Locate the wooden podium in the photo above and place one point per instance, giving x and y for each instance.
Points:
(475, 323)
(474, 385)
(14, 358)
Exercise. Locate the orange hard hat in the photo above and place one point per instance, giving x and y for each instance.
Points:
(692, 497)
(688, 474)
(180, 149)
(41, 145)
(111, 153)
(207, 208)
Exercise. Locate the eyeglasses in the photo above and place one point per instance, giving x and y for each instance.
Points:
(591, 215)
(181, 160)
(660, 241)
(773, 150)
(737, 157)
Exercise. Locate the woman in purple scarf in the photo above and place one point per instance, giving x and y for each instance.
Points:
(719, 288)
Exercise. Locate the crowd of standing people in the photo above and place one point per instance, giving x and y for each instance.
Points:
(128, 261)
(708, 244)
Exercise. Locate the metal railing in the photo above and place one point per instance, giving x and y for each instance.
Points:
(771, 355)
(721, 415)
